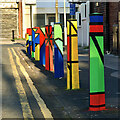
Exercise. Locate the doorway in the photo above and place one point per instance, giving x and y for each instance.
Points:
(51, 19)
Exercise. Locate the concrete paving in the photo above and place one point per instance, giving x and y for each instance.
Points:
(113, 62)
(10, 42)
(62, 103)
(72, 100)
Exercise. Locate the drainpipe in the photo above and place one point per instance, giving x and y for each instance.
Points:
(107, 28)
(20, 20)
(56, 11)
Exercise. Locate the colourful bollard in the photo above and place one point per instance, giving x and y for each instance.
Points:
(29, 31)
(97, 88)
(33, 43)
(58, 51)
(72, 55)
(27, 42)
(48, 48)
(37, 43)
(42, 46)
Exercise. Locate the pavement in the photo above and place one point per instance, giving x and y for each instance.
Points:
(10, 42)
(62, 103)
(113, 62)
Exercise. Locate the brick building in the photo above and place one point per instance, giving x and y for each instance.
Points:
(8, 19)
(14, 15)
(111, 16)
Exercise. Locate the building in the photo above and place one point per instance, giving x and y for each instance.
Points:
(46, 12)
(14, 16)
(17, 15)
(111, 16)
(8, 19)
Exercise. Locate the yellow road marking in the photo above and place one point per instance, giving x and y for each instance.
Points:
(27, 113)
(45, 111)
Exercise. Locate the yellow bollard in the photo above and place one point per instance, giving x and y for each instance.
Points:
(37, 52)
(72, 55)
(37, 42)
(27, 41)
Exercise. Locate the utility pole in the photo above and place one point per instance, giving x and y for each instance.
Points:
(65, 29)
(31, 3)
(31, 16)
(20, 19)
(56, 11)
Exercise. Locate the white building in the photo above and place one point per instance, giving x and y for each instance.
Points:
(43, 13)
(19, 16)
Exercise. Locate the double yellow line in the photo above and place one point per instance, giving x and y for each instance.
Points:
(27, 113)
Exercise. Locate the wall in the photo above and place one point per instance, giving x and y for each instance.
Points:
(8, 23)
(113, 19)
(102, 9)
(119, 27)
(26, 17)
(110, 17)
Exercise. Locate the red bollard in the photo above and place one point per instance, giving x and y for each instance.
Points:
(48, 48)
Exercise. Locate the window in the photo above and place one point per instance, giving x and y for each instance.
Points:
(40, 20)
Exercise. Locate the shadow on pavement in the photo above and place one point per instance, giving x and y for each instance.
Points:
(75, 102)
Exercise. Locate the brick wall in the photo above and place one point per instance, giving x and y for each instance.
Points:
(113, 19)
(119, 27)
(101, 8)
(8, 23)
(110, 17)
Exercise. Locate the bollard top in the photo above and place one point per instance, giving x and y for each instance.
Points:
(42, 26)
(96, 18)
(96, 14)
(57, 22)
(48, 25)
(71, 19)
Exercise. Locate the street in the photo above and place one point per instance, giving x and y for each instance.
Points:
(29, 91)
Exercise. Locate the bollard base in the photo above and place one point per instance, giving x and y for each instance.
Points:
(13, 40)
(97, 101)
(97, 108)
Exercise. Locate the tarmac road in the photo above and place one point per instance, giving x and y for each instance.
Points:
(29, 91)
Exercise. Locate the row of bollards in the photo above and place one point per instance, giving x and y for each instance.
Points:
(39, 45)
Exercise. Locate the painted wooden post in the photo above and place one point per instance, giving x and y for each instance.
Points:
(58, 51)
(33, 43)
(48, 48)
(72, 55)
(97, 88)
(29, 31)
(37, 43)
(42, 46)
(27, 42)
